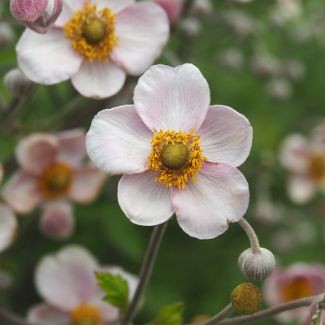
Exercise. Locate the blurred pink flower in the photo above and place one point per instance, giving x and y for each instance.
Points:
(95, 44)
(52, 174)
(179, 155)
(305, 159)
(67, 283)
(173, 8)
(294, 282)
(38, 15)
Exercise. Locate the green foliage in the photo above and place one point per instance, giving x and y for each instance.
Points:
(170, 315)
(116, 289)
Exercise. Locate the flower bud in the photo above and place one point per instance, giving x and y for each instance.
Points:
(279, 89)
(6, 34)
(38, 15)
(173, 8)
(246, 298)
(256, 266)
(17, 83)
(201, 8)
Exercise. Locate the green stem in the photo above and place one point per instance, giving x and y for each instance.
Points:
(251, 236)
(227, 311)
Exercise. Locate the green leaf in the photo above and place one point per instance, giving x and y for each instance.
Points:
(116, 289)
(170, 315)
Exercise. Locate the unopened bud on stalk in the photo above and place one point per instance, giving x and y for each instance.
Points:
(258, 265)
(246, 298)
(6, 34)
(37, 15)
(202, 8)
(17, 83)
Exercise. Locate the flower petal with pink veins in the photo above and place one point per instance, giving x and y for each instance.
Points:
(21, 192)
(8, 227)
(172, 98)
(142, 30)
(43, 314)
(295, 153)
(98, 79)
(87, 183)
(300, 188)
(144, 201)
(47, 58)
(72, 146)
(57, 220)
(67, 279)
(115, 5)
(69, 7)
(118, 142)
(36, 152)
(217, 196)
(226, 136)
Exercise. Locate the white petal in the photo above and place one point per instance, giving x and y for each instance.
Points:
(118, 142)
(226, 136)
(115, 5)
(172, 98)
(43, 314)
(219, 195)
(301, 189)
(67, 279)
(8, 227)
(144, 201)
(98, 80)
(142, 30)
(69, 7)
(47, 58)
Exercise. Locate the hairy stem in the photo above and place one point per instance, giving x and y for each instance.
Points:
(146, 270)
(251, 236)
(227, 311)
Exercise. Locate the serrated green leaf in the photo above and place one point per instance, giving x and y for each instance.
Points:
(116, 289)
(170, 315)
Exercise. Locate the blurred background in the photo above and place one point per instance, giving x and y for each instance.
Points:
(264, 58)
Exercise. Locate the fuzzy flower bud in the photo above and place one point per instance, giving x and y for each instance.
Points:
(246, 298)
(37, 15)
(256, 266)
(17, 83)
(6, 34)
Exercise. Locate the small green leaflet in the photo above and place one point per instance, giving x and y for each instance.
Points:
(116, 289)
(170, 315)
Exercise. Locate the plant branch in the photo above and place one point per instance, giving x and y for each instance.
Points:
(10, 318)
(146, 270)
(253, 239)
(227, 311)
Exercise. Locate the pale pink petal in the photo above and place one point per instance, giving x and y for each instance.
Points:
(173, 8)
(43, 314)
(118, 142)
(87, 183)
(172, 98)
(144, 201)
(8, 227)
(98, 79)
(142, 30)
(57, 220)
(67, 279)
(36, 152)
(72, 146)
(47, 58)
(69, 7)
(115, 5)
(226, 136)
(217, 196)
(300, 189)
(21, 192)
(295, 153)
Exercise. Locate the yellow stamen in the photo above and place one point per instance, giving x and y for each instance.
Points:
(297, 288)
(317, 168)
(85, 315)
(55, 181)
(92, 32)
(176, 156)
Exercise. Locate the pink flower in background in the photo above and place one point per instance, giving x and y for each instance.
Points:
(38, 15)
(177, 153)
(173, 8)
(294, 282)
(95, 44)
(67, 283)
(52, 174)
(305, 159)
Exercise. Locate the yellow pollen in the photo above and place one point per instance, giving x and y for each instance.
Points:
(297, 288)
(317, 168)
(92, 32)
(85, 315)
(55, 181)
(176, 156)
